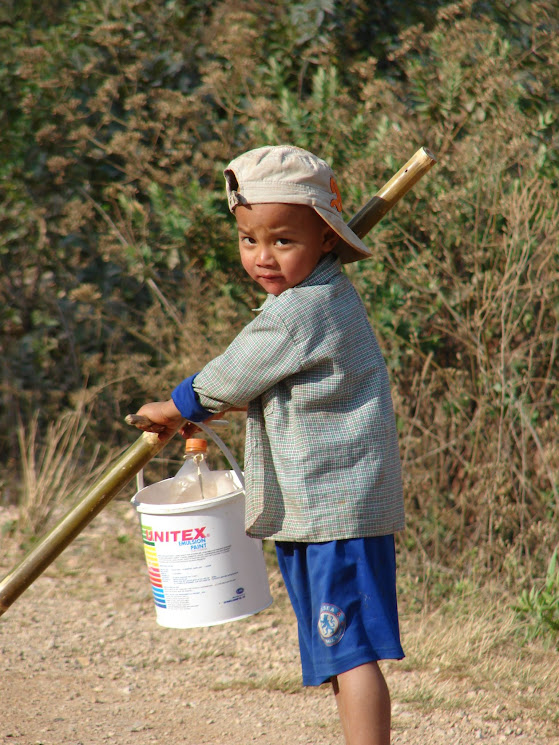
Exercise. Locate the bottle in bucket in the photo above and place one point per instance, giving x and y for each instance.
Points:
(194, 479)
(204, 570)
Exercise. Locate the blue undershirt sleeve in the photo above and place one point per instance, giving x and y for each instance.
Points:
(187, 402)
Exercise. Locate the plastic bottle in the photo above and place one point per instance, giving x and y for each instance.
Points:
(194, 480)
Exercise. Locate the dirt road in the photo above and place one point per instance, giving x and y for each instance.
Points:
(84, 663)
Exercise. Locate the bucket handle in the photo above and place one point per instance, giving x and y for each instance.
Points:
(221, 445)
(225, 450)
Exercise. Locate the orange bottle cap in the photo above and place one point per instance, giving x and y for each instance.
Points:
(195, 445)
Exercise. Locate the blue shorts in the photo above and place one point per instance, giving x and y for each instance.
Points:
(344, 596)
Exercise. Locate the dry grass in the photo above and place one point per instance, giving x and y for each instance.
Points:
(470, 654)
(472, 348)
(53, 468)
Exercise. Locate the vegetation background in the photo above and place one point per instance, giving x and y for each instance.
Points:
(119, 273)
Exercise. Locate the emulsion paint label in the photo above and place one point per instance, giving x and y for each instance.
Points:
(202, 566)
(189, 563)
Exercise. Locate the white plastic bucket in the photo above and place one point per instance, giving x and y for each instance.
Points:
(203, 568)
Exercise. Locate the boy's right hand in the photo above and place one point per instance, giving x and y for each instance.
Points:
(164, 418)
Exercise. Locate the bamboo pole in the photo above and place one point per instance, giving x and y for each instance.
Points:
(149, 444)
(377, 207)
(100, 494)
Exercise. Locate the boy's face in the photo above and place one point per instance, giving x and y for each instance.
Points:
(281, 244)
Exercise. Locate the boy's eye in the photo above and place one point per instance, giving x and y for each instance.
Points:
(247, 240)
(283, 241)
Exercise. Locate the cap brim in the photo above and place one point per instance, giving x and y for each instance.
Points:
(350, 247)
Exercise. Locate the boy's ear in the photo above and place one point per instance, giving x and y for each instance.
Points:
(329, 239)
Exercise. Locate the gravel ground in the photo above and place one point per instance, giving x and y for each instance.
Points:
(84, 663)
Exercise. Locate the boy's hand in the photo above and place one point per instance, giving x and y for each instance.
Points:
(164, 418)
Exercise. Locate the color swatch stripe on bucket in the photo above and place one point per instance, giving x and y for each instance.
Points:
(153, 569)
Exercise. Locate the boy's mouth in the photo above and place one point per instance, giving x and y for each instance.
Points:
(273, 284)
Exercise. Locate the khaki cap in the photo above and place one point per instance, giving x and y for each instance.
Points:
(289, 175)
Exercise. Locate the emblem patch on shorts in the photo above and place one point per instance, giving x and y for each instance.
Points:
(331, 624)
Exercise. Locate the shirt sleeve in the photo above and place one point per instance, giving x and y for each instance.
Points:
(263, 353)
(188, 403)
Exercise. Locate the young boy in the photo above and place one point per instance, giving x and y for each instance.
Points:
(322, 463)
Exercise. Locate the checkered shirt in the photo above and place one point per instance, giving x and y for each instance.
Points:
(321, 454)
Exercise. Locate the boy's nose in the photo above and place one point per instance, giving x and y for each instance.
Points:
(265, 256)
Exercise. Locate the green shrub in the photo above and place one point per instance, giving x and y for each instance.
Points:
(119, 269)
(539, 607)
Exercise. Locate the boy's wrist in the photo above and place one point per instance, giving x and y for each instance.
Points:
(170, 410)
